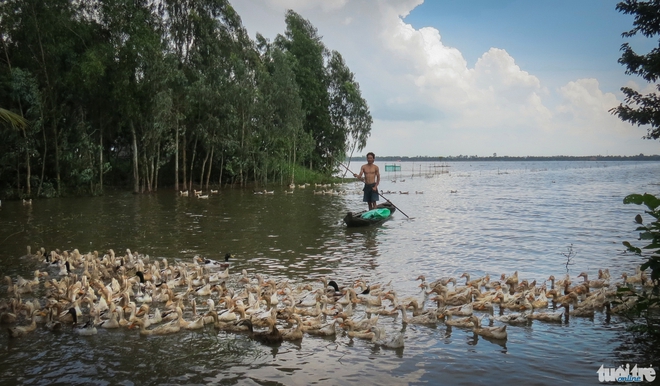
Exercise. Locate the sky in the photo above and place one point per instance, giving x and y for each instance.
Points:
(479, 77)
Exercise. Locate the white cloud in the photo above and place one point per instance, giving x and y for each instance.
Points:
(426, 98)
(324, 5)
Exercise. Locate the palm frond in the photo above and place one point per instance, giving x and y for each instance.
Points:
(12, 119)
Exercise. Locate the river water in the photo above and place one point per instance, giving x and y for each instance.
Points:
(478, 217)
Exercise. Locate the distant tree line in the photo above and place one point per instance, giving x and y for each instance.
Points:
(148, 93)
(639, 157)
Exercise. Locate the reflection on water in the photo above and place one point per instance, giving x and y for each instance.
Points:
(502, 217)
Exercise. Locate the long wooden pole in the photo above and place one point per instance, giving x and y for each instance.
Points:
(385, 198)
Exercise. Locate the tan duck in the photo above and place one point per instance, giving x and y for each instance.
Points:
(477, 283)
(113, 322)
(416, 309)
(428, 318)
(512, 318)
(462, 322)
(635, 279)
(272, 336)
(165, 329)
(379, 339)
(120, 317)
(513, 279)
(86, 329)
(579, 312)
(488, 332)
(547, 316)
(296, 333)
(189, 325)
(464, 310)
(482, 305)
(326, 330)
(362, 325)
(491, 285)
(442, 281)
(541, 301)
(558, 283)
(598, 283)
(354, 332)
(19, 331)
(226, 326)
(52, 324)
(572, 297)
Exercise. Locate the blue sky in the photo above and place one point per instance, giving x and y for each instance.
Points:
(559, 40)
(479, 77)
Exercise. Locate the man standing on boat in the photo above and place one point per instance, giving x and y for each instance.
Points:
(371, 180)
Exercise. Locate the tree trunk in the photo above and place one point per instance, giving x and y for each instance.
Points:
(222, 167)
(146, 176)
(157, 167)
(176, 156)
(183, 158)
(57, 160)
(101, 160)
(27, 163)
(136, 176)
(152, 173)
(43, 163)
(52, 101)
(192, 163)
(18, 174)
(201, 175)
(208, 175)
(91, 167)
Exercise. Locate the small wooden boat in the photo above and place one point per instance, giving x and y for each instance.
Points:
(366, 218)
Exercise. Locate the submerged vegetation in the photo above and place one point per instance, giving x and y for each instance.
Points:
(151, 93)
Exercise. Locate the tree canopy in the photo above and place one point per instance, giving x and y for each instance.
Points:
(638, 108)
(149, 93)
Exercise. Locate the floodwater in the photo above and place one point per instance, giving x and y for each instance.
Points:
(479, 218)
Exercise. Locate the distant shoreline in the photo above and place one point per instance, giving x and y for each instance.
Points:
(462, 158)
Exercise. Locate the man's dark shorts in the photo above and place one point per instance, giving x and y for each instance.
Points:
(370, 195)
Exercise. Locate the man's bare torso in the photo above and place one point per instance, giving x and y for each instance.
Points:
(369, 172)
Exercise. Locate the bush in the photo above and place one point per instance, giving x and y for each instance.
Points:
(647, 301)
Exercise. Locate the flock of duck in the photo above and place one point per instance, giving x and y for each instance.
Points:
(81, 293)
(335, 189)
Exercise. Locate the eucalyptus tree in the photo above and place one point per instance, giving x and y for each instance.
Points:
(349, 112)
(26, 95)
(51, 43)
(213, 97)
(302, 41)
(287, 114)
(135, 33)
(178, 18)
(34, 41)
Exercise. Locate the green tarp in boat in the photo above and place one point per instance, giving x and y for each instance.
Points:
(376, 214)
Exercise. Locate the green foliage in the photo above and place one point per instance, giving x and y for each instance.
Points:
(331, 101)
(647, 301)
(116, 90)
(640, 109)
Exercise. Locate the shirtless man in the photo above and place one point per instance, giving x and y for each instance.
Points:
(371, 180)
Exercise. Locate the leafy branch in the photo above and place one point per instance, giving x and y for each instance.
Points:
(646, 301)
